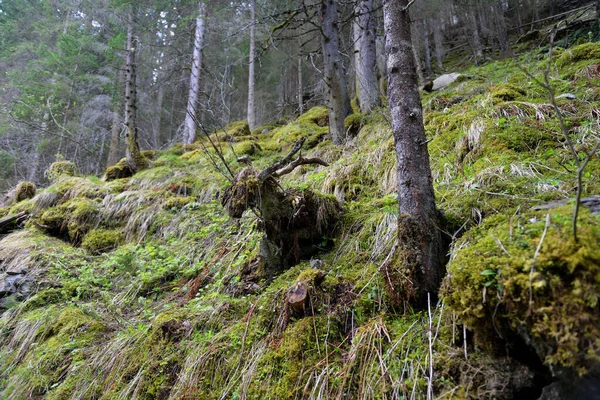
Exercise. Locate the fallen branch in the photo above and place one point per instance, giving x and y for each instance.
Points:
(9, 224)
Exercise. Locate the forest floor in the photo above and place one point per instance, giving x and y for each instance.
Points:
(139, 287)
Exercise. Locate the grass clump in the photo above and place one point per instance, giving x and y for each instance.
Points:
(99, 241)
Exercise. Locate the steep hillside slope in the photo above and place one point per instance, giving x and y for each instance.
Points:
(143, 287)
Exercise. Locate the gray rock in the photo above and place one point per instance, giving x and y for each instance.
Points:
(445, 80)
(568, 96)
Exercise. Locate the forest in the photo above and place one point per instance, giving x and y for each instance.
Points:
(300, 199)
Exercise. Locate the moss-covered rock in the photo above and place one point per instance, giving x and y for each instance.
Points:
(60, 168)
(316, 115)
(102, 240)
(524, 278)
(586, 51)
(247, 147)
(354, 123)
(72, 219)
(238, 128)
(24, 190)
(507, 92)
(118, 171)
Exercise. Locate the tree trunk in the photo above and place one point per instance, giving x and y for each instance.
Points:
(300, 83)
(189, 127)
(135, 160)
(427, 49)
(418, 66)
(598, 14)
(473, 35)
(251, 77)
(157, 120)
(437, 39)
(113, 147)
(338, 99)
(366, 57)
(501, 30)
(420, 253)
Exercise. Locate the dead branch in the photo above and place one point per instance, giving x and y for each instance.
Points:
(286, 165)
(7, 224)
(267, 172)
(298, 162)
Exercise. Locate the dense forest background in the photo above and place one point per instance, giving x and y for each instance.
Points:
(62, 66)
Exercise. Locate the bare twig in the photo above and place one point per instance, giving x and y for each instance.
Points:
(535, 256)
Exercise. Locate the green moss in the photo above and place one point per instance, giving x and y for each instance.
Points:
(586, 51)
(505, 279)
(316, 115)
(101, 240)
(178, 202)
(27, 206)
(355, 106)
(295, 357)
(24, 190)
(118, 171)
(149, 154)
(354, 123)
(236, 129)
(61, 168)
(72, 219)
(507, 92)
(246, 148)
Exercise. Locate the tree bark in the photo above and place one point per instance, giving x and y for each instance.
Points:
(427, 49)
(135, 160)
(300, 83)
(418, 65)
(437, 39)
(113, 147)
(338, 99)
(501, 30)
(366, 57)
(189, 127)
(420, 251)
(473, 35)
(251, 77)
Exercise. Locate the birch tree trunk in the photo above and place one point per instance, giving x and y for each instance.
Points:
(251, 77)
(135, 160)
(191, 116)
(366, 57)
(420, 252)
(338, 99)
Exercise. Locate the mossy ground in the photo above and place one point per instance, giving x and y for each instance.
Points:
(161, 316)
